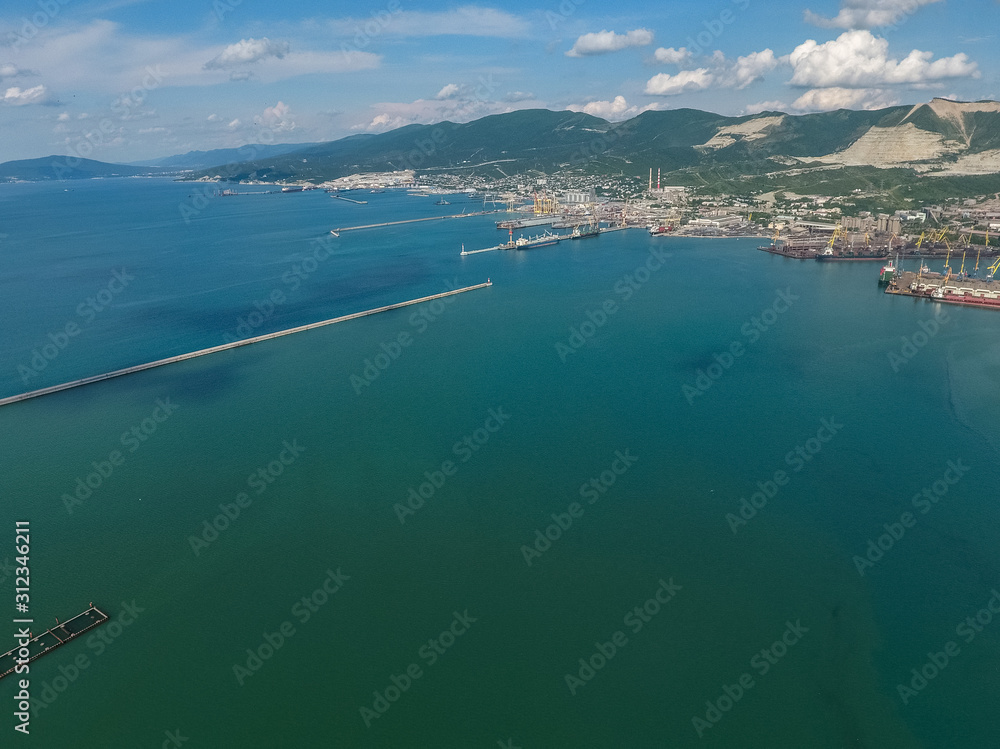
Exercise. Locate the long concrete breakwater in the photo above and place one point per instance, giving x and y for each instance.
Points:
(234, 344)
(414, 220)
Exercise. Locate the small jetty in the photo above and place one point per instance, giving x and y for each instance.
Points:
(53, 638)
(234, 344)
(349, 200)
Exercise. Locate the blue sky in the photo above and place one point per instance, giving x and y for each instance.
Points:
(121, 80)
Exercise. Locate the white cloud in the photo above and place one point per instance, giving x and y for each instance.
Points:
(684, 82)
(382, 123)
(247, 51)
(602, 42)
(859, 59)
(449, 92)
(213, 118)
(868, 14)
(241, 75)
(63, 116)
(278, 118)
(18, 97)
(462, 105)
(9, 70)
(101, 58)
(671, 56)
(825, 99)
(750, 68)
(618, 109)
(467, 20)
(234, 124)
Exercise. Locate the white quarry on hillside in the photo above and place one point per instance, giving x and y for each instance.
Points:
(887, 147)
(755, 129)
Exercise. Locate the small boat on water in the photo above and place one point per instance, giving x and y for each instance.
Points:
(441, 202)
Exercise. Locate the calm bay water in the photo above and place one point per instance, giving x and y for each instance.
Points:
(356, 455)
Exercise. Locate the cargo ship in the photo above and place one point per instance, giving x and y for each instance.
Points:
(584, 231)
(937, 288)
(869, 255)
(542, 240)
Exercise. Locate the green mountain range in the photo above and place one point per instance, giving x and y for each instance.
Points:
(957, 142)
(943, 147)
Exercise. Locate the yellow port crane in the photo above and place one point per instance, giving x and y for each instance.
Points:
(921, 240)
(834, 237)
(993, 269)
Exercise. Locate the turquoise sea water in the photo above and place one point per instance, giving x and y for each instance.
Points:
(332, 506)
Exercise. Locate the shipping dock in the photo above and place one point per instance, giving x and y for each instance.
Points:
(51, 639)
(947, 289)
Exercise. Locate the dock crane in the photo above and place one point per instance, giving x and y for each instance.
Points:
(921, 240)
(833, 239)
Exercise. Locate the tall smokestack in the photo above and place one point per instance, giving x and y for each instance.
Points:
(651, 179)
(657, 180)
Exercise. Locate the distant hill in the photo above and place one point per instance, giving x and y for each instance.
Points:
(64, 167)
(205, 159)
(942, 138)
(957, 143)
